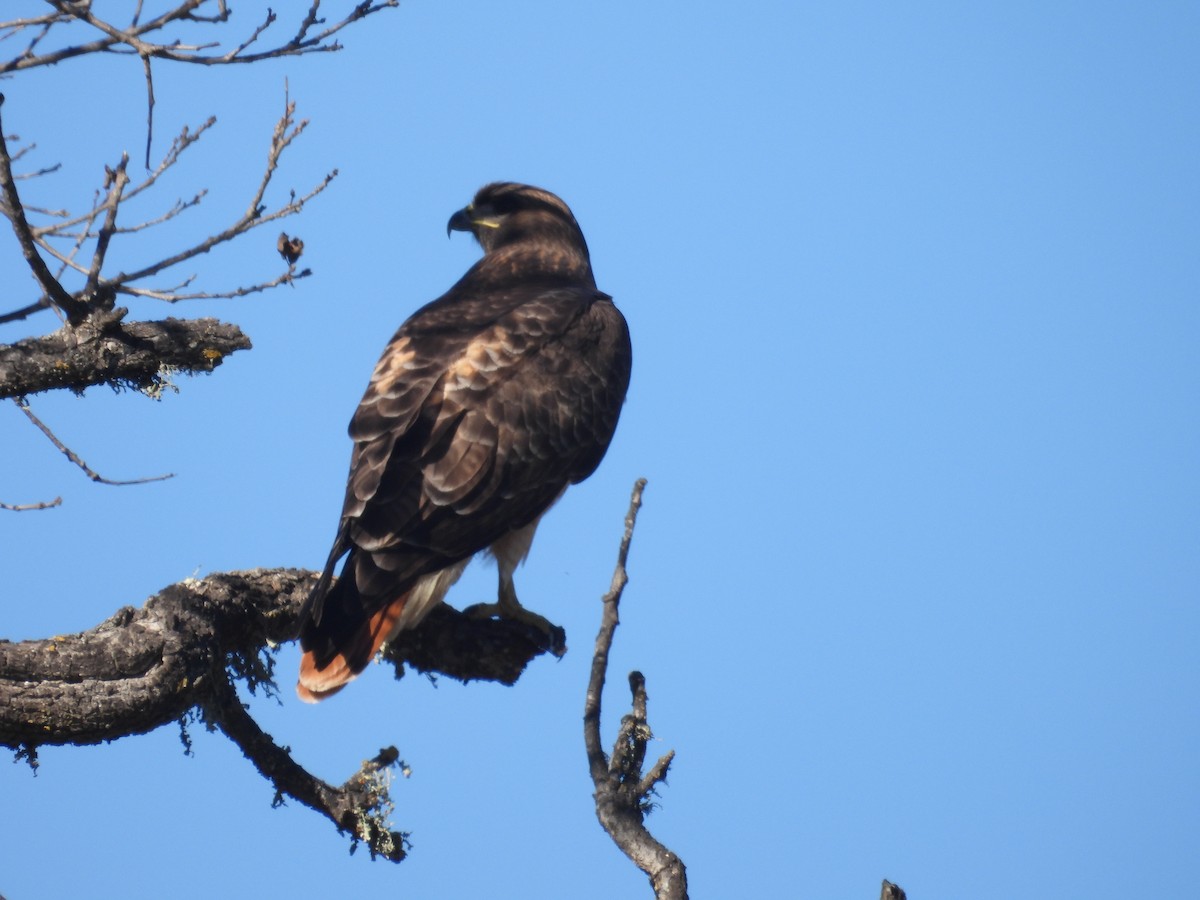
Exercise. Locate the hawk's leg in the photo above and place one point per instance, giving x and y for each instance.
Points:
(508, 607)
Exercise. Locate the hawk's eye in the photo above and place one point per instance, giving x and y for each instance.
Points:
(505, 204)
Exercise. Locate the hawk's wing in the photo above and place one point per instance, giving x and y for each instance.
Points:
(479, 413)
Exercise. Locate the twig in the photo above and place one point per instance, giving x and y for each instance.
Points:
(267, 23)
(254, 216)
(179, 207)
(117, 190)
(182, 142)
(149, 104)
(45, 170)
(74, 457)
(132, 40)
(111, 204)
(75, 310)
(24, 312)
(173, 296)
(622, 791)
(25, 507)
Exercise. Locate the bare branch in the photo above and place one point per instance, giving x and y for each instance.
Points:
(179, 207)
(119, 180)
(38, 173)
(118, 192)
(74, 457)
(173, 295)
(149, 103)
(267, 23)
(135, 39)
(255, 215)
(622, 791)
(25, 507)
(25, 311)
(15, 25)
(185, 139)
(58, 295)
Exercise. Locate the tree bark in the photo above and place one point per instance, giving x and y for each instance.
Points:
(146, 667)
(106, 350)
(186, 648)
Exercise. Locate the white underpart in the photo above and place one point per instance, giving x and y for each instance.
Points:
(430, 590)
(509, 552)
(427, 593)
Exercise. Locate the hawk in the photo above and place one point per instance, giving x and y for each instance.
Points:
(486, 404)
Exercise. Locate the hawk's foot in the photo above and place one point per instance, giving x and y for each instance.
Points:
(553, 636)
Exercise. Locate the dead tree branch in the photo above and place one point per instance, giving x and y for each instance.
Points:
(183, 650)
(15, 211)
(622, 790)
(137, 38)
(99, 291)
(148, 665)
(104, 350)
(26, 507)
(74, 457)
(360, 807)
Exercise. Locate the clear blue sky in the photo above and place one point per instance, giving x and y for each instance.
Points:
(915, 300)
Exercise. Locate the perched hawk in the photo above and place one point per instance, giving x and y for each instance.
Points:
(485, 406)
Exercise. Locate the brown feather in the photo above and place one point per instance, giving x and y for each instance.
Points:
(486, 404)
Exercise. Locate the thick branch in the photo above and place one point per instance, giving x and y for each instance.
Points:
(148, 667)
(622, 791)
(145, 667)
(106, 350)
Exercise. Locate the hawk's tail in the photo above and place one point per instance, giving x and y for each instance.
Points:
(336, 652)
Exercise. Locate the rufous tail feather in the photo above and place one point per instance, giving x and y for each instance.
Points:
(316, 684)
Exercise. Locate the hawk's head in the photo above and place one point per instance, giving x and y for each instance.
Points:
(504, 213)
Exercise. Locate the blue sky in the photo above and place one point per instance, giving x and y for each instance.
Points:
(915, 300)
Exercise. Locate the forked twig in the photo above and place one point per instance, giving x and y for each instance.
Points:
(135, 39)
(622, 790)
(79, 229)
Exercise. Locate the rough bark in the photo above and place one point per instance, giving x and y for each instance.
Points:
(106, 350)
(622, 790)
(146, 667)
(185, 649)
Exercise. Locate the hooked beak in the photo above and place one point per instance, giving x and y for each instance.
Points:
(460, 221)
